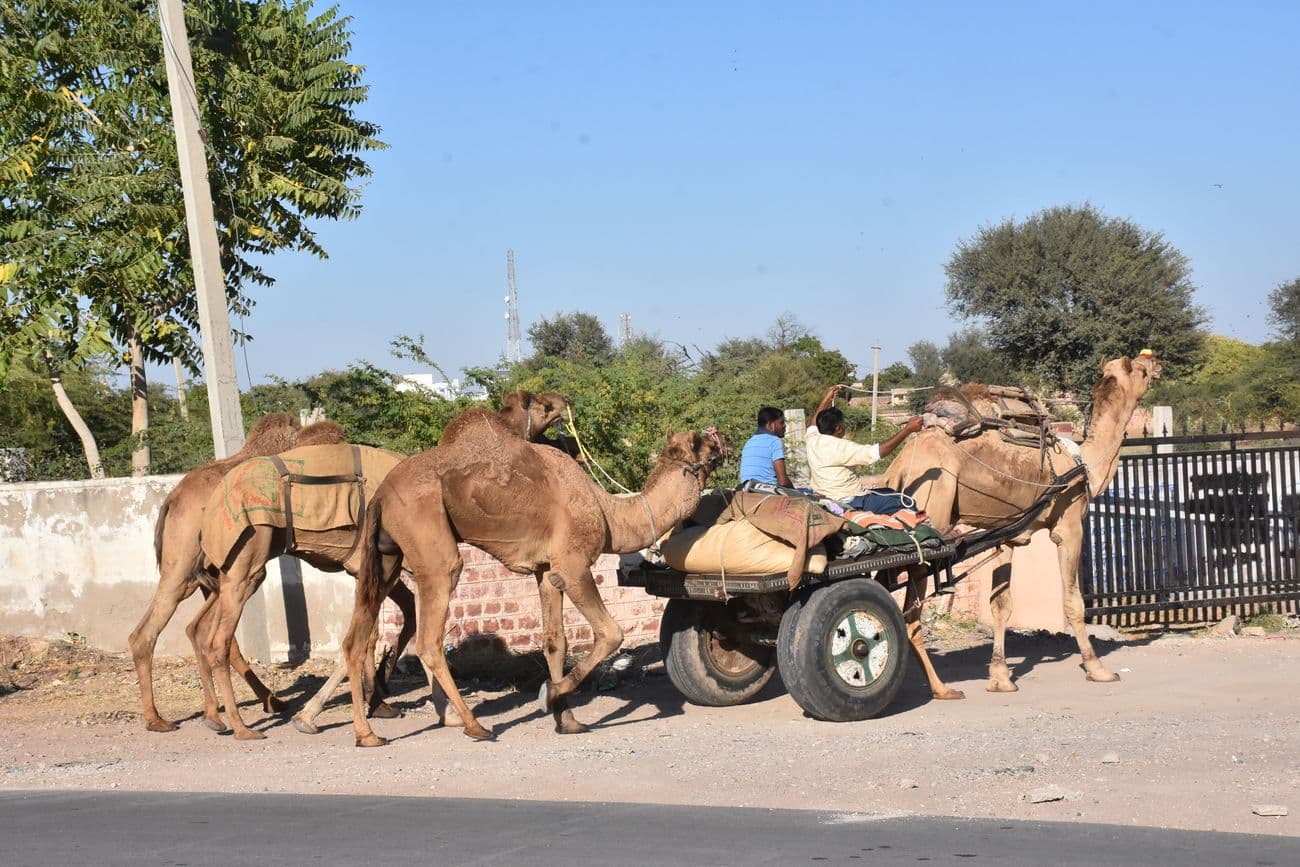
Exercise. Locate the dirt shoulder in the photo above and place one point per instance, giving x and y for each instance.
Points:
(1199, 732)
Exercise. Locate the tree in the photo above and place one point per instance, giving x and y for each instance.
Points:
(1070, 288)
(969, 358)
(89, 164)
(927, 362)
(571, 337)
(896, 375)
(1284, 311)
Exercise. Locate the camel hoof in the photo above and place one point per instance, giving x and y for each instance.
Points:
(305, 726)
(217, 725)
(571, 727)
(372, 741)
(161, 725)
(384, 710)
(272, 704)
(950, 695)
(1103, 677)
(249, 735)
(479, 733)
(1002, 686)
(544, 697)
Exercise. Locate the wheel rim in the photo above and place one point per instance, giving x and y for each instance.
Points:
(729, 656)
(859, 649)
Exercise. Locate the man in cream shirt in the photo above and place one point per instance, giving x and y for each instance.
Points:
(831, 457)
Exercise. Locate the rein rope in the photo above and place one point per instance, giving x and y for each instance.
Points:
(591, 461)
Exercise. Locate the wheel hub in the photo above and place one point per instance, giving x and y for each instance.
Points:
(859, 649)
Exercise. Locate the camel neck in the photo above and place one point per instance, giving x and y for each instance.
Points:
(637, 521)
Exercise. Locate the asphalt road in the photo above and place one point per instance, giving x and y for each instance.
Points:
(140, 829)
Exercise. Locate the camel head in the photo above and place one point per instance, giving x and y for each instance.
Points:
(1127, 378)
(529, 414)
(695, 453)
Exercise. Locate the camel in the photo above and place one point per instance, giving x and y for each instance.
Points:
(983, 482)
(534, 510)
(176, 547)
(235, 556)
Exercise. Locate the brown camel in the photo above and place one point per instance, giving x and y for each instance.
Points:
(176, 545)
(984, 482)
(534, 510)
(237, 550)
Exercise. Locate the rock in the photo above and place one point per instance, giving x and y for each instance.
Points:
(1110, 759)
(1227, 627)
(1269, 810)
(1254, 631)
(905, 783)
(1046, 794)
(1292, 621)
(1041, 758)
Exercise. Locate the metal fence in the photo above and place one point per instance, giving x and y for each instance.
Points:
(1194, 527)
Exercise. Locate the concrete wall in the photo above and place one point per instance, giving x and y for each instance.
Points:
(78, 557)
(1037, 601)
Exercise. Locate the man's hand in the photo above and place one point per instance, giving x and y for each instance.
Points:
(914, 424)
(832, 391)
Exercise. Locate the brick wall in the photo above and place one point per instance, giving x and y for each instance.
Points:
(494, 609)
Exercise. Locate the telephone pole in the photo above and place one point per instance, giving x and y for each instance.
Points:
(209, 283)
(875, 381)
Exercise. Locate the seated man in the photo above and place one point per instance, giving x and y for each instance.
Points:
(831, 456)
(763, 457)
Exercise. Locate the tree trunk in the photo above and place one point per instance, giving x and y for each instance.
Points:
(180, 389)
(141, 456)
(79, 425)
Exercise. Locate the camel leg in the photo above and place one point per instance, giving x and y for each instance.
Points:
(198, 631)
(433, 604)
(226, 612)
(1069, 541)
(606, 633)
(405, 601)
(305, 719)
(175, 585)
(1000, 603)
(554, 648)
(912, 606)
(355, 652)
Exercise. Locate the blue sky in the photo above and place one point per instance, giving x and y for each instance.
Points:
(706, 167)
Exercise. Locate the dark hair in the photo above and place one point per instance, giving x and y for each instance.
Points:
(769, 414)
(829, 419)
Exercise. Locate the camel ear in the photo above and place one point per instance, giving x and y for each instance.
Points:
(510, 400)
(677, 449)
(1127, 364)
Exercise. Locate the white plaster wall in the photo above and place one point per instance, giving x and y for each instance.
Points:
(78, 557)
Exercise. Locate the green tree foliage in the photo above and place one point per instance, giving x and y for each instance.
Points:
(94, 245)
(570, 337)
(1238, 383)
(1284, 311)
(969, 358)
(896, 375)
(1070, 287)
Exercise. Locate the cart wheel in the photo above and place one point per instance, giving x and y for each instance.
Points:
(842, 650)
(707, 656)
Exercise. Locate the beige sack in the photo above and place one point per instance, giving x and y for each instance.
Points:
(735, 548)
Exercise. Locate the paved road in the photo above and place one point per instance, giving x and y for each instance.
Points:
(141, 829)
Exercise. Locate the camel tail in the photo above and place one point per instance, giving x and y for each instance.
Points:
(370, 577)
(158, 531)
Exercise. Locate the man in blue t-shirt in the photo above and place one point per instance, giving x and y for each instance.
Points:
(763, 457)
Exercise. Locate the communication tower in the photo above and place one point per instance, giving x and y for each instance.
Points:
(625, 328)
(514, 344)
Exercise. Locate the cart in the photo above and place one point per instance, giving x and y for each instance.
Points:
(838, 638)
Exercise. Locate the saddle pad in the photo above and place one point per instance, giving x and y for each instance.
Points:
(252, 494)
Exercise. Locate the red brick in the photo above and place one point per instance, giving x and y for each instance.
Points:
(492, 608)
(507, 624)
(529, 622)
(491, 626)
(473, 609)
(510, 606)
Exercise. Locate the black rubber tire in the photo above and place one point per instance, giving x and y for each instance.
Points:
(821, 653)
(705, 660)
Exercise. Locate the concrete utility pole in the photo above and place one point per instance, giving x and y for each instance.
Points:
(875, 381)
(209, 283)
